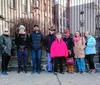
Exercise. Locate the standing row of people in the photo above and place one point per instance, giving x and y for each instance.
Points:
(77, 48)
(58, 50)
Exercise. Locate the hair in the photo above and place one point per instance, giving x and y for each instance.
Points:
(78, 32)
(58, 34)
(87, 32)
(36, 25)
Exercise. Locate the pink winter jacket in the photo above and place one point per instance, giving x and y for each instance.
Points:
(59, 49)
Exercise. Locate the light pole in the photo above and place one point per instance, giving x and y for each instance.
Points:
(68, 14)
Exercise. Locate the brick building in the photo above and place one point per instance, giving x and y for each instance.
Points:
(12, 10)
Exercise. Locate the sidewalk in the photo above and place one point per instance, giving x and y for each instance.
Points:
(49, 79)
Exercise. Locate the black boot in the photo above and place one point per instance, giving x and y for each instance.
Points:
(18, 70)
(25, 70)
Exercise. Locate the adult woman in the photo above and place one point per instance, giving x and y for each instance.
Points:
(6, 45)
(79, 45)
(58, 52)
(90, 50)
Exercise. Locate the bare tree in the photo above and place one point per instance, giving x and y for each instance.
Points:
(28, 23)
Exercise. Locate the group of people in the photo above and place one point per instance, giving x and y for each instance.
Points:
(60, 50)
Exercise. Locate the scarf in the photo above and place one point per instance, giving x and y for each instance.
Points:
(76, 39)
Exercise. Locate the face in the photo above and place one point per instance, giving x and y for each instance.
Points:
(77, 34)
(22, 31)
(67, 34)
(6, 32)
(36, 28)
(59, 37)
(51, 32)
(86, 34)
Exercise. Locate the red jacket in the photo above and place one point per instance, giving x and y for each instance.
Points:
(59, 49)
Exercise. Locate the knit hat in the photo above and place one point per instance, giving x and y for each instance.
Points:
(21, 27)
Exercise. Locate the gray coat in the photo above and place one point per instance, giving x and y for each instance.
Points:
(6, 44)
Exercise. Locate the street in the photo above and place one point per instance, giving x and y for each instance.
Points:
(46, 78)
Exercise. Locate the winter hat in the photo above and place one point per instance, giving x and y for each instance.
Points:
(21, 27)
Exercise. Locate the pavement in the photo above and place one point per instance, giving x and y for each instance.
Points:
(45, 78)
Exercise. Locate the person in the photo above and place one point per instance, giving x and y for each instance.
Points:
(6, 45)
(58, 51)
(21, 41)
(79, 46)
(98, 46)
(70, 43)
(48, 41)
(90, 50)
(36, 38)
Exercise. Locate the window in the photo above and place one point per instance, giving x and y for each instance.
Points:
(64, 14)
(32, 2)
(39, 18)
(49, 8)
(60, 21)
(45, 1)
(12, 4)
(45, 6)
(37, 3)
(49, 21)
(64, 22)
(25, 6)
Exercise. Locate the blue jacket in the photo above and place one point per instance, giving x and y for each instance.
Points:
(91, 46)
(36, 40)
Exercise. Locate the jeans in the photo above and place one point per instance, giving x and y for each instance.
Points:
(22, 57)
(36, 60)
(80, 64)
(49, 63)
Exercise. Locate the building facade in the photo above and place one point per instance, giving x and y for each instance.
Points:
(12, 10)
(60, 17)
(42, 11)
(39, 10)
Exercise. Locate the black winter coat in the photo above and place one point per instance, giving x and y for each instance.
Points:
(48, 42)
(70, 44)
(36, 40)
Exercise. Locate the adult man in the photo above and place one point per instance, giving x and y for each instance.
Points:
(70, 44)
(36, 38)
(48, 42)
